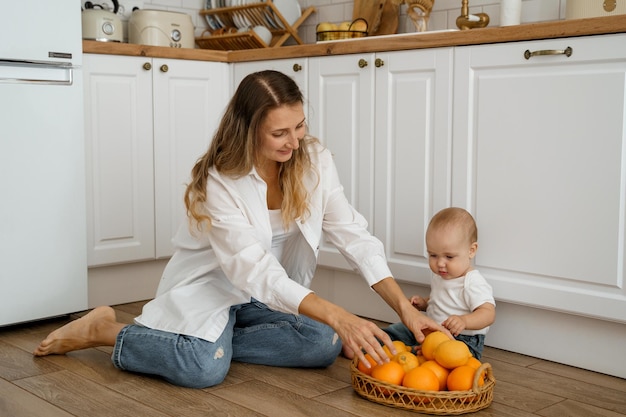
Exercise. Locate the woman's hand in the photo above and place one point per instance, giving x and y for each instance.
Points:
(421, 325)
(359, 336)
(415, 320)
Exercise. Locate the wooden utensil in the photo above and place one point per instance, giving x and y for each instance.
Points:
(389, 19)
(371, 11)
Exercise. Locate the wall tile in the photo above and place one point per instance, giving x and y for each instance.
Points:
(443, 16)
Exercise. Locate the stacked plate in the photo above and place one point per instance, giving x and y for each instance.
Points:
(289, 9)
(212, 20)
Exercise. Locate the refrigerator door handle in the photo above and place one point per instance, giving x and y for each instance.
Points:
(27, 72)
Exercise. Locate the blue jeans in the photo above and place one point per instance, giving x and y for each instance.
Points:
(254, 334)
(398, 331)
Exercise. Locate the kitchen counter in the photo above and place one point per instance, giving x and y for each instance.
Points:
(435, 39)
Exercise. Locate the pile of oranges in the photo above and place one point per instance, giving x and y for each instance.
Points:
(443, 364)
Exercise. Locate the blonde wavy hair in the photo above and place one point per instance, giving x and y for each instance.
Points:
(233, 150)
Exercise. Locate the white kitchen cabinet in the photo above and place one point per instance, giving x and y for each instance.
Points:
(386, 119)
(296, 68)
(147, 121)
(189, 101)
(540, 160)
(341, 115)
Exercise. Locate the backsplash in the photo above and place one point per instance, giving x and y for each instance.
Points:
(443, 15)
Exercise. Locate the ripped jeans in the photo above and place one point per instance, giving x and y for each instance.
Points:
(254, 334)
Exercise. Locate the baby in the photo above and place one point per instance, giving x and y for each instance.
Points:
(460, 297)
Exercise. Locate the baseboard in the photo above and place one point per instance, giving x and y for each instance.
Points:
(569, 339)
(125, 283)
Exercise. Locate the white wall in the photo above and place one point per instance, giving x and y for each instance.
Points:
(443, 16)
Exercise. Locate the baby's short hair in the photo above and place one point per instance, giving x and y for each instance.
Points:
(457, 217)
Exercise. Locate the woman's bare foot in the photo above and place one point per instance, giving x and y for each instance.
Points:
(97, 328)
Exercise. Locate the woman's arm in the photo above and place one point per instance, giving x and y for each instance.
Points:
(360, 335)
(416, 321)
(356, 334)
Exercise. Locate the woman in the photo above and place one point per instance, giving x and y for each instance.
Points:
(237, 287)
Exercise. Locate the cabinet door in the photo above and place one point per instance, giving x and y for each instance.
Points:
(540, 159)
(295, 68)
(118, 135)
(413, 151)
(341, 115)
(189, 99)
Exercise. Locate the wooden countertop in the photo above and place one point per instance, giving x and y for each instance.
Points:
(524, 32)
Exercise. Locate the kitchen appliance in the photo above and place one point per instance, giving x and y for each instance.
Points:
(161, 28)
(102, 25)
(43, 260)
(580, 9)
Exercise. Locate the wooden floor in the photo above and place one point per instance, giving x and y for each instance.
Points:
(85, 383)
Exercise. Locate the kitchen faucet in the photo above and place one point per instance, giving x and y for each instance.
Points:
(471, 21)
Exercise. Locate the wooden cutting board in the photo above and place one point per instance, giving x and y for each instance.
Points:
(381, 15)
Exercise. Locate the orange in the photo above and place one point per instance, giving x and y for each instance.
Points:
(462, 378)
(431, 342)
(390, 372)
(474, 363)
(421, 359)
(399, 345)
(452, 353)
(361, 366)
(422, 379)
(407, 360)
(440, 372)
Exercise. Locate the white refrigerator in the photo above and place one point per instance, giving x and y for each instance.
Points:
(43, 266)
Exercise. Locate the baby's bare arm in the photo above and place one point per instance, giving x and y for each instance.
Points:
(481, 317)
(419, 302)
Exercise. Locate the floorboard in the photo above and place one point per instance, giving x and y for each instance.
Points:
(86, 384)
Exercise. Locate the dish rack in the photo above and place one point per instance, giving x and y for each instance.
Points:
(257, 14)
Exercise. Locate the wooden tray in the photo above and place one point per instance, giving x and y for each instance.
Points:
(232, 41)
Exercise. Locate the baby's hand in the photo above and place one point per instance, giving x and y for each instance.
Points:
(419, 302)
(454, 324)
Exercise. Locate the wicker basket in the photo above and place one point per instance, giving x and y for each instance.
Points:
(429, 402)
(334, 35)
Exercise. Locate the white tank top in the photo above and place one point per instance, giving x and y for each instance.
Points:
(280, 236)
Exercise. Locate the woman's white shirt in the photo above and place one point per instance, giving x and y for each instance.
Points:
(233, 262)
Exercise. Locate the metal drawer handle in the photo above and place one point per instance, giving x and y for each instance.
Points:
(567, 52)
(297, 67)
(362, 63)
(379, 63)
(38, 65)
(164, 68)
